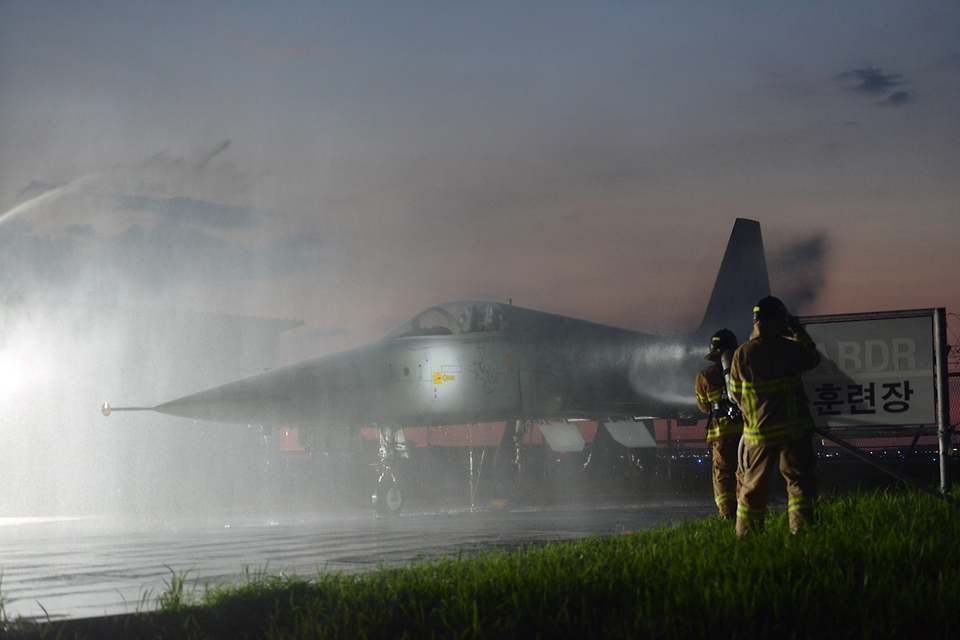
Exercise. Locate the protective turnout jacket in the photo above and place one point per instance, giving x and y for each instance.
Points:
(765, 382)
(709, 387)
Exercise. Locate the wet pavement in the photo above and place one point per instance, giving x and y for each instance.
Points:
(86, 567)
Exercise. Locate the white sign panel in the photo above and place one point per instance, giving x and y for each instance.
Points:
(873, 372)
(562, 437)
(631, 434)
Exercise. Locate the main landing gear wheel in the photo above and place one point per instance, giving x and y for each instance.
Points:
(388, 500)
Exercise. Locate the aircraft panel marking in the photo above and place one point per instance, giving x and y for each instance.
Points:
(486, 375)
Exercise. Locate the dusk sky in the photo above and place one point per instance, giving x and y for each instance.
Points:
(349, 164)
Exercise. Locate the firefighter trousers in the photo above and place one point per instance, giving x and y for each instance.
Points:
(726, 475)
(797, 461)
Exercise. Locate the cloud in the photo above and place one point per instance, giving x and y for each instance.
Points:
(170, 256)
(182, 209)
(209, 156)
(896, 99)
(871, 80)
(82, 230)
(165, 258)
(34, 189)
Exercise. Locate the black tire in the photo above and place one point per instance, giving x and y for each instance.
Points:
(388, 500)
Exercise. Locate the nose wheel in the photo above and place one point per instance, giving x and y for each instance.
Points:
(387, 501)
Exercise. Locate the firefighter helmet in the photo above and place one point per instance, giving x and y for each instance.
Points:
(723, 340)
(770, 308)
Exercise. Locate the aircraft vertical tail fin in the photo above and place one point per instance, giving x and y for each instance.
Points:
(742, 281)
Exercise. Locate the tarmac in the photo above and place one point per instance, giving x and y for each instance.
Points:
(82, 567)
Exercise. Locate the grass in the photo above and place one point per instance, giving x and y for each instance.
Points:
(882, 565)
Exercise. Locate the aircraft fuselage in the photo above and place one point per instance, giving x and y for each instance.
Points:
(439, 369)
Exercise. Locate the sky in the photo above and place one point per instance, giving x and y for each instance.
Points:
(350, 163)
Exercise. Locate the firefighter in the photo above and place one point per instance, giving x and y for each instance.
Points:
(765, 382)
(726, 423)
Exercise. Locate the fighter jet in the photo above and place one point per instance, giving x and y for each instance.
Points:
(473, 362)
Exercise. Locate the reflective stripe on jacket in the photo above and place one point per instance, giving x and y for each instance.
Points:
(709, 387)
(765, 381)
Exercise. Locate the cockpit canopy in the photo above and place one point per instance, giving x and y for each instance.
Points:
(453, 318)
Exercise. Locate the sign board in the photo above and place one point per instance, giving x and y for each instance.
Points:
(875, 370)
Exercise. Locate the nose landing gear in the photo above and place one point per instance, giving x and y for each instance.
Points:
(387, 499)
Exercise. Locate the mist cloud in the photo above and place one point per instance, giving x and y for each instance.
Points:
(109, 234)
(165, 257)
(26, 260)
